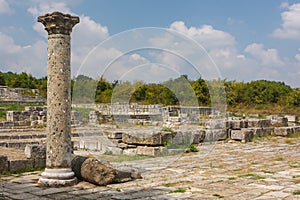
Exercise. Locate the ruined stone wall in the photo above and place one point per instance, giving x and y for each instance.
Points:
(34, 116)
(136, 113)
(16, 95)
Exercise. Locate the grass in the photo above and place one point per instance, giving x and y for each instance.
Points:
(288, 141)
(171, 184)
(252, 176)
(29, 169)
(295, 135)
(13, 107)
(294, 165)
(297, 192)
(193, 148)
(178, 190)
(267, 172)
(232, 178)
(218, 195)
(279, 159)
(122, 157)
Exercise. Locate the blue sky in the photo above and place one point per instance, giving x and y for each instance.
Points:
(247, 40)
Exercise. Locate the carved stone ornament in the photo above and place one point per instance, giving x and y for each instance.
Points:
(58, 23)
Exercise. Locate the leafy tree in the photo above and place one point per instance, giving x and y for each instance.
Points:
(293, 99)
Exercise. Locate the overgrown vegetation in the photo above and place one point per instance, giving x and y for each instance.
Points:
(259, 96)
(14, 107)
(297, 192)
(178, 190)
(28, 169)
(252, 176)
(218, 195)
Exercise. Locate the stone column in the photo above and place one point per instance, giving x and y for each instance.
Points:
(58, 156)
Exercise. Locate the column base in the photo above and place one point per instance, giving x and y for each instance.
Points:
(57, 177)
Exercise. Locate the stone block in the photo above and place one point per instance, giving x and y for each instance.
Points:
(244, 135)
(292, 118)
(76, 145)
(41, 163)
(15, 165)
(34, 151)
(215, 135)
(130, 152)
(215, 124)
(122, 145)
(258, 132)
(238, 124)
(114, 150)
(151, 151)
(3, 164)
(283, 131)
(259, 123)
(296, 129)
(93, 145)
(113, 134)
(268, 130)
(151, 139)
(188, 137)
(262, 132)
(278, 121)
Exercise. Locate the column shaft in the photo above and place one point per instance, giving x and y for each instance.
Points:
(58, 102)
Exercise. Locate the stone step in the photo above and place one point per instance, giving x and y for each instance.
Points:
(17, 144)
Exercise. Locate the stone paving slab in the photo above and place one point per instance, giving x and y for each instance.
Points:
(263, 169)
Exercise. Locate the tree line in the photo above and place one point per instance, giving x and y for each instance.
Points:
(178, 91)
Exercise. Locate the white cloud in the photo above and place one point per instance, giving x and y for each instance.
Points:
(16, 58)
(4, 7)
(297, 56)
(268, 57)
(88, 33)
(48, 7)
(206, 35)
(290, 27)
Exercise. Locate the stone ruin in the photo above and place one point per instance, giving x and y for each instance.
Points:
(138, 114)
(16, 95)
(34, 116)
(156, 141)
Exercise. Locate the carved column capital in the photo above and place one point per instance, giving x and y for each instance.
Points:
(58, 23)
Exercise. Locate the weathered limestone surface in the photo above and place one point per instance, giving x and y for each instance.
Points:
(283, 131)
(16, 95)
(278, 121)
(152, 139)
(215, 135)
(188, 136)
(244, 135)
(101, 172)
(146, 151)
(37, 153)
(59, 26)
(258, 123)
(3, 164)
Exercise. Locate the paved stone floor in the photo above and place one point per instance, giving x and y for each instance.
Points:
(263, 169)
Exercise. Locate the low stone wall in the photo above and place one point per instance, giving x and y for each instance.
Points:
(34, 116)
(36, 158)
(16, 96)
